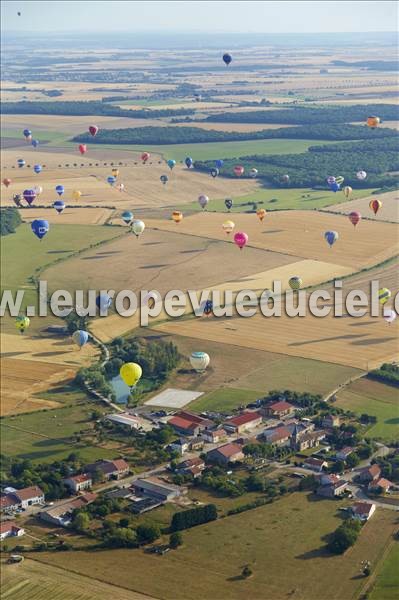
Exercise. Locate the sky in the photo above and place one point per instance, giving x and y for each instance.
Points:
(214, 16)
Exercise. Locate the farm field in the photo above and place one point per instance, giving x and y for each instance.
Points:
(70, 216)
(225, 399)
(388, 212)
(289, 530)
(373, 398)
(387, 580)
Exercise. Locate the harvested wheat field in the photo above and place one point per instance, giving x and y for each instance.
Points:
(300, 234)
(70, 216)
(388, 212)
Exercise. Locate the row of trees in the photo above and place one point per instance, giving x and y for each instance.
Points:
(9, 220)
(387, 373)
(194, 516)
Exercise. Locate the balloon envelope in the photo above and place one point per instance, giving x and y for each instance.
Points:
(82, 148)
(7, 181)
(59, 206)
(60, 189)
(389, 315)
(339, 180)
(171, 163)
(177, 216)
(361, 174)
(21, 163)
(203, 200)
(103, 302)
(37, 168)
(189, 162)
(93, 129)
(373, 122)
(138, 227)
(375, 205)
(261, 213)
(219, 163)
(80, 337)
(130, 373)
(27, 133)
(22, 323)
(383, 295)
(29, 196)
(127, 217)
(227, 58)
(355, 217)
(295, 283)
(111, 180)
(335, 187)
(214, 172)
(76, 194)
(228, 203)
(347, 191)
(35, 143)
(331, 237)
(199, 361)
(145, 156)
(164, 179)
(40, 228)
(238, 170)
(330, 179)
(240, 239)
(253, 173)
(228, 226)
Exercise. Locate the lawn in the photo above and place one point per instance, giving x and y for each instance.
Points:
(387, 581)
(284, 544)
(225, 399)
(373, 398)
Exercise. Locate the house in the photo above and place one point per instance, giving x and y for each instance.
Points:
(369, 473)
(110, 469)
(9, 502)
(315, 464)
(328, 478)
(78, 483)
(156, 488)
(181, 445)
(330, 421)
(196, 444)
(244, 422)
(29, 496)
(186, 423)
(62, 514)
(191, 466)
(332, 490)
(277, 410)
(213, 436)
(302, 440)
(10, 529)
(278, 436)
(226, 453)
(125, 418)
(380, 485)
(363, 510)
(344, 453)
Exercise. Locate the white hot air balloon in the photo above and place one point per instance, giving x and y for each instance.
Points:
(199, 361)
(138, 227)
(389, 315)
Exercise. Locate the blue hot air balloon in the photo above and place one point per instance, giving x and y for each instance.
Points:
(21, 163)
(214, 172)
(219, 163)
(59, 189)
(37, 168)
(59, 206)
(189, 162)
(335, 187)
(40, 228)
(331, 237)
(127, 217)
(35, 143)
(111, 180)
(227, 58)
(103, 302)
(171, 163)
(27, 133)
(80, 337)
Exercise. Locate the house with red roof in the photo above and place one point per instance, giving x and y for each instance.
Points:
(380, 485)
(10, 529)
(363, 510)
(278, 410)
(369, 473)
(315, 464)
(191, 466)
(186, 423)
(213, 436)
(225, 454)
(244, 422)
(78, 483)
(278, 436)
(110, 469)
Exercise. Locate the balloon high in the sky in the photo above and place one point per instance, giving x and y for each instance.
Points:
(361, 175)
(383, 295)
(203, 201)
(199, 361)
(355, 217)
(59, 206)
(375, 205)
(131, 373)
(127, 217)
(82, 148)
(373, 122)
(347, 191)
(22, 323)
(189, 162)
(240, 239)
(76, 194)
(228, 203)
(171, 163)
(37, 169)
(261, 213)
(214, 172)
(238, 170)
(29, 196)
(227, 58)
(21, 163)
(331, 237)
(295, 283)
(145, 156)
(228, 226)
(40, 228)
(59, 189)
(35, 143)
(164, 179)
(138, 227)
(177, 216)
(93, 129)
(7, 181)
(80, 337)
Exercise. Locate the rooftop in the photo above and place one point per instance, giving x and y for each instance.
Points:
(30, 492)
(280, 406)
(245, 417)
(228, 449)
(362, 508)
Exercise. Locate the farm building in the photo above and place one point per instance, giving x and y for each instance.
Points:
(369, 473)
(61, 514)
(10, 529)
(214, 436)
(78, 483)
(244, 422)
(9, 502)
(144, 504)
(332, 490)
(278, 410)
(315, 464)
(186, 423)
(111, 469)
(278, 436)
(225, 454)
(130, 421)
(156, 488)
(363, 510)
(22, 498)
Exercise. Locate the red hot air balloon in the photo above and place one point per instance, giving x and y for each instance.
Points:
(375, 205)
(82, 148)
(355, 217)
(93, 129)
(238, 170)
(240, 239)
(7, 182)
(145, 156)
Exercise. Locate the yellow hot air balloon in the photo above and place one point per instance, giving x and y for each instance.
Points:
(383, 295)
(228, 226)
(261, 213)
(115, 172)
(339, 179)
(295, 283)
(347, 191)
(177, 216)
(373, 122)
(22, 323)
(375, 205)
(130, 373)
(76, 194)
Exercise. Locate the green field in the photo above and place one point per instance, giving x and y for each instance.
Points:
(224, 399)
(373, 398)
(387, 580)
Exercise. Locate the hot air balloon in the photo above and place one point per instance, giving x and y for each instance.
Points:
(29, 196)
(219, 163)
(361, 174)
(189, 162)
(197, 97)
(37, 169)
(131, 373)
(389, 315)
(253, 173)
(80, 337)
(240, 239)
(21, 163)
(138, 227)
(17, 199)
(330, 179)
(208, 308)
(111, 180)
(171, 163)
(93, 129)
(35, 143)
(145, 156)
(27, 134)
(76, 194)
(238, 170)
(22, 323)
(335, 187)
(127, 217)
(115, 172)
(40, 228)
(199, 361)
(373, 122)
(103, 302)
(331, 237)
(261, 213)
(82, 148)
(375, 205)
(228, 226)
(285, 178)
(214, 172)
(228, 203)
(177, 216)
(203, 201)
(59, 206)
(340, 180)
(38, 190)
(59, 189)
(227, 58)
(383, 295)
(164, 179)
(7, 181)
(121, 187)
(355, 217)
(347, 191)
(295, 283)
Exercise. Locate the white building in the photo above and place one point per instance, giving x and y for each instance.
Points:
(10, 529)
(78, 483)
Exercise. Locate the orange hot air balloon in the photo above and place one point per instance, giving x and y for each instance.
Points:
(373, 122)
(7, 182)
(355, 217)
(261, 213)
(177, 216)
(145, 156)
(82, 148)
(238, 170)
(375, 205)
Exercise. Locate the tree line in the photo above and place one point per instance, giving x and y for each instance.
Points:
(194, 516)
(387, 373)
